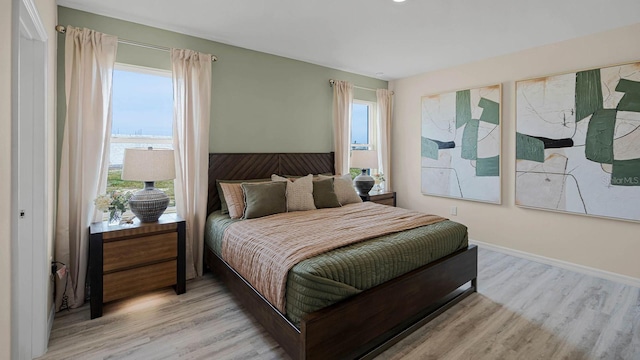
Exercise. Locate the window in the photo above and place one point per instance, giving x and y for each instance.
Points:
(363, 130)
(142, 117)
(362, 125)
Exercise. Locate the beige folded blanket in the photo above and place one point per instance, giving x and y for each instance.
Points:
(263, 250)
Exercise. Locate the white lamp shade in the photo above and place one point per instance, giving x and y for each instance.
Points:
(364, 159)
(147, 164)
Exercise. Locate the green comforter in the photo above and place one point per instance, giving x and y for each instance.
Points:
(338, 274)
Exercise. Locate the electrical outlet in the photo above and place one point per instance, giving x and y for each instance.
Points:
(453, 210)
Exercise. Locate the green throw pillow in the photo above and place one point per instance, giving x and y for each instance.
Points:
(323, 194)
(224, 209)
(264, 199)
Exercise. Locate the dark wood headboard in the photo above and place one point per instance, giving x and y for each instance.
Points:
(261, 166)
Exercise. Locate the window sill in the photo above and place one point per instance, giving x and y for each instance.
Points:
(129, 215)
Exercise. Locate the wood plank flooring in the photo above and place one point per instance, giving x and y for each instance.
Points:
(523, 310)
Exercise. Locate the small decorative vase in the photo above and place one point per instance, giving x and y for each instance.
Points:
(115, 215)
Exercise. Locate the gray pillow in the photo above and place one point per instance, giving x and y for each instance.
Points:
(323, 194)
(264, 199)
(343, 186)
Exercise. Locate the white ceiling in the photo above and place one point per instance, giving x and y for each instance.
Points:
(377, 38)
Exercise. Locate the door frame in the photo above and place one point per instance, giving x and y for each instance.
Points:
(30, 316)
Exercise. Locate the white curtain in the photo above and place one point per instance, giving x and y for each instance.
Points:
(191, 117)
(385, 99)
(89, 62)
(342, 100)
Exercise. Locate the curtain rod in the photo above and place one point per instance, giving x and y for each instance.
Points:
(62, 30)
(331, 82)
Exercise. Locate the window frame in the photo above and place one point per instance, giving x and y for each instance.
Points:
(143, 69)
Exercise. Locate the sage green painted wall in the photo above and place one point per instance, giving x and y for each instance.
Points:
(260, 102)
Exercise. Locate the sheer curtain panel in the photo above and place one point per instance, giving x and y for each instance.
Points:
(385, 102)
(191, 117)
(89, 61)
(342, 100)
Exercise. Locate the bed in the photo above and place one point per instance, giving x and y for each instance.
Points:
(363, 324)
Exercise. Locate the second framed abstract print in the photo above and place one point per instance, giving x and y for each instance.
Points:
(460, 144)
(578, 142)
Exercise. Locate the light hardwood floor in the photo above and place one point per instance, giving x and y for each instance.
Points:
(523, 310)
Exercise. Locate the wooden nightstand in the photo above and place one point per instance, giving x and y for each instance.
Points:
(129, 259)
(381, 197)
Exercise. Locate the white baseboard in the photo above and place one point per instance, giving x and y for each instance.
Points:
(627, 280)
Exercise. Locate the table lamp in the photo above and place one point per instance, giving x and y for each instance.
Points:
(364, 159)
(148, 165)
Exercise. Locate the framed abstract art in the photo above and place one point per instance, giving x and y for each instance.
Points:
(578, 142)
(460, 144)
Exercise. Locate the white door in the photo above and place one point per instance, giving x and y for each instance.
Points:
(30, 275)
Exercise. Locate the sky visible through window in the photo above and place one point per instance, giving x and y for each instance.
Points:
(142, 104)
(359, 124)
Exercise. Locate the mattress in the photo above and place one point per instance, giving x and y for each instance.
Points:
(328, 278)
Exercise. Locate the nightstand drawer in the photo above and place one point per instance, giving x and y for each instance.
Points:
(123, 254)
(381, 197)
(389, 201)
(121, 284)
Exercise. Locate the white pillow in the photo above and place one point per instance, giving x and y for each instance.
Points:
(299, 192)
(343, 186)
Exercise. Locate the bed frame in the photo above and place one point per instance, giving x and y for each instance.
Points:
(359, 327)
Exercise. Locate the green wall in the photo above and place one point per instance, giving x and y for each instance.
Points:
(259, 102)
